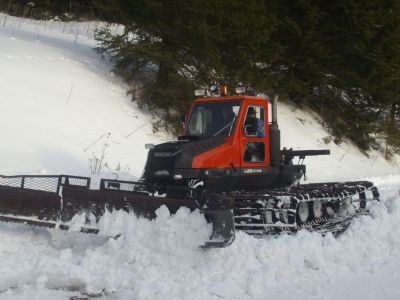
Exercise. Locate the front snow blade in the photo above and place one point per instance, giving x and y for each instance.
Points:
(118, 195)
(53, 201)
(218, 211)
(223, 227)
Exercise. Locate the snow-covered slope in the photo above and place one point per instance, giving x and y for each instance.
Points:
(60, 107)
(302, 130)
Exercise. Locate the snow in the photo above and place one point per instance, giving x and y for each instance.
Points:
(60, 106)
(346, 162)
(162, 260)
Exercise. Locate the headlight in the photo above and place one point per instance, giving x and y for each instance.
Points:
(166, 154)
(161, 173)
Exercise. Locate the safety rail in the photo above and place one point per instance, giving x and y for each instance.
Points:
(46, 183)
(119, 185)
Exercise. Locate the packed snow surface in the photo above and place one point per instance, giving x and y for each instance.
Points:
(162, 260)
(61, 108)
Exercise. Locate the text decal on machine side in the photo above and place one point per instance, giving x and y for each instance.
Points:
(252, 171)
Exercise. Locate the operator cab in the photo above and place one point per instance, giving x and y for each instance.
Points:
(243, 123)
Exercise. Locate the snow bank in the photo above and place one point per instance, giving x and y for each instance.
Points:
(161, 259)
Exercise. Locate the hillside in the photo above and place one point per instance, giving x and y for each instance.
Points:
(60, 106)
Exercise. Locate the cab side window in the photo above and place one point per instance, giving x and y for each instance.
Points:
(255, 152)
(254, 122)
(254, 127)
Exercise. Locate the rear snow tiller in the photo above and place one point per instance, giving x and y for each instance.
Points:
(228, 164)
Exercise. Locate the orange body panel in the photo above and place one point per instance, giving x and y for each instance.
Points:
(231, 153)
(220, 157)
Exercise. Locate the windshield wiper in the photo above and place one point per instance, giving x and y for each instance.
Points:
(225, 127)
(233, 122)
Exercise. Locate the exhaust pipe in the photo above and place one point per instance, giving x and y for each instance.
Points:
(275, 134)
(275, 109)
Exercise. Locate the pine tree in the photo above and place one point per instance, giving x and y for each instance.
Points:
(173, 46)
(342, 58)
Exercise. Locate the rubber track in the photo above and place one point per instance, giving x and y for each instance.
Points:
(250, 207)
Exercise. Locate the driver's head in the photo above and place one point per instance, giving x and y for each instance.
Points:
(227, 112)
(251, 112)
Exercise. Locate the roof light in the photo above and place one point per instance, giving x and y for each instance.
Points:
(223, 89)
(214, 88)
(200, 93)
(240, 90)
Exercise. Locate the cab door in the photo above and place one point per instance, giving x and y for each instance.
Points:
(253, 140)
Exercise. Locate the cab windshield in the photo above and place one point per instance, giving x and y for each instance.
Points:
(213, 119)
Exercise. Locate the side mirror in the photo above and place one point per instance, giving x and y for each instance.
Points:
(183, 120)
(149, 146)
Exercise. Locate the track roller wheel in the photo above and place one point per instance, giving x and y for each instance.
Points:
(303, 212)
(317, 210)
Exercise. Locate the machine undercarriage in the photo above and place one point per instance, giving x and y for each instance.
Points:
(325, 207)
(54, 201)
